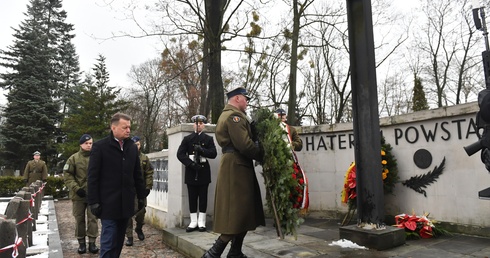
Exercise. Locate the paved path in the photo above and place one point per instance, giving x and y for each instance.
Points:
(152, 246)
(315, 237)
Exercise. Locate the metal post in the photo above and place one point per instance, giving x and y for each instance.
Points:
(370, 198)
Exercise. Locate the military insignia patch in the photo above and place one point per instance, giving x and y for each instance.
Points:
(236, 119)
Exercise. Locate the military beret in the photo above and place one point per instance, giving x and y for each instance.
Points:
(85, 138)
(136, 139)
(199, 118)
(280, 111)
(36, 153)
(238, 91)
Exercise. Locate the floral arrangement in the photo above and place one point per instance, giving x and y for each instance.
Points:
(283, 180)
(389, 172)
(296, 196)
(417, 227)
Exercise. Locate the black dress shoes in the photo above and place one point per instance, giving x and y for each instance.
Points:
(189, 229)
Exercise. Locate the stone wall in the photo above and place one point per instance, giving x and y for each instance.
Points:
(421, 141)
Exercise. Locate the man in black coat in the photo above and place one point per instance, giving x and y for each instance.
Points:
(193, 152)
(114, 178)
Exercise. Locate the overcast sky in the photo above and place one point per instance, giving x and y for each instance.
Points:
(93, 22)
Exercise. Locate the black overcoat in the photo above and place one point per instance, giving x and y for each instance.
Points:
(186, 148)
(115, 178)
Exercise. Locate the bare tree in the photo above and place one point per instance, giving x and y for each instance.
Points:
(180, 63)
(148, 98)
(446, 41)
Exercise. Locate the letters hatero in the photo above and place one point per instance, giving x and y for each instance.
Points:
(459, 129)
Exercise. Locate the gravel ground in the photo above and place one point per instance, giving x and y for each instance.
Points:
(152, 246)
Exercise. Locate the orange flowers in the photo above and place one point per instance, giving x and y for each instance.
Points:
(349, 193)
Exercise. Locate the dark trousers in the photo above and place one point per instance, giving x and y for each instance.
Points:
(198, 192)
(112, 237)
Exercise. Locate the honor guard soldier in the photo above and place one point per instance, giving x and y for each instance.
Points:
(194, 152)
(36, 169)
(238, 202)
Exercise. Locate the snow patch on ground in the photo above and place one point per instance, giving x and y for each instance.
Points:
(347, 244)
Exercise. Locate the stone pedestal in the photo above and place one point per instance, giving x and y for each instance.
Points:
(7, 237)
(374, 239)
(18, 210)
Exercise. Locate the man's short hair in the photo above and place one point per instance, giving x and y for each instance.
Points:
(118, 116)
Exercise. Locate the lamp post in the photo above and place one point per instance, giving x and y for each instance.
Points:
(370, 230)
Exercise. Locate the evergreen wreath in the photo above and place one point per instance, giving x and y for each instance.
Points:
(282, 185)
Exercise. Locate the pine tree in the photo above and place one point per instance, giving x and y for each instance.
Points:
(96, 104)
(419, 102)
(36, 62)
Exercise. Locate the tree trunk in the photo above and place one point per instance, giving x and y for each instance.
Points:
(214, 18)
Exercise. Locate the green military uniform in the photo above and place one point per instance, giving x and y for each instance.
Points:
(295, 140)
(147, 170)
(35, 170)
(75, 176)
(238, 202)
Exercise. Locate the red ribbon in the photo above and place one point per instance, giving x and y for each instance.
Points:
(14, 246)
(29, 217)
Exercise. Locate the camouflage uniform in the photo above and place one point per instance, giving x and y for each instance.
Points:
(139, 217)
(35, 170)
(75, 175)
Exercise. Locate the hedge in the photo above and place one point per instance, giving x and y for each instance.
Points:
(55, 186)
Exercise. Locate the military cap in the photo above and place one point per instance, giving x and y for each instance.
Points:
(136, 139)
(280, 112)
(238, 91)
(85, 138)
(36, 153)
(199, 118)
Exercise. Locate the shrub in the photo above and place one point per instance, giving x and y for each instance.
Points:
(55, 186)
(10, 185)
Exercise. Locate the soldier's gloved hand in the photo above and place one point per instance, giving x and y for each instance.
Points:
(96, 209)
(253, 129)
(141, 204)
(147, 192)
(198, 149)
(195, 166)
(260, 153)
(485, 158)
(81, 193)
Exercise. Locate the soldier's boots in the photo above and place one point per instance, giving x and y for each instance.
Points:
(139, 232)
(236, 247)
(93, 248)
(216, 250)
(82, 248)
(129, 241)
